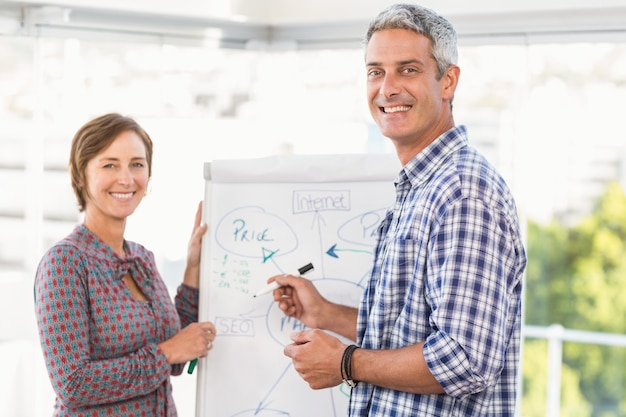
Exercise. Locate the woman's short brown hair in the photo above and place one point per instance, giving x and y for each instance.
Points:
(92, 138)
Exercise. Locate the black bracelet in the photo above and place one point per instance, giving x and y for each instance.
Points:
(346, 366)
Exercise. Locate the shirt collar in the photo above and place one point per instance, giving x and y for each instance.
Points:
(133, 261)
(428, 161)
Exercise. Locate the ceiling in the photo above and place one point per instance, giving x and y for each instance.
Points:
(240, 23)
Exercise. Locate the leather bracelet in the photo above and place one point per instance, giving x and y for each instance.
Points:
(346, 366)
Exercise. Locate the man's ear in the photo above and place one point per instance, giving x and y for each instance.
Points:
(449, 81)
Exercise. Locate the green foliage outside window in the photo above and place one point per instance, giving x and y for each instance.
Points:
(576, 277)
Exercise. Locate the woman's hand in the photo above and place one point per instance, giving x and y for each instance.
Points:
(194, 341)
(194, 250)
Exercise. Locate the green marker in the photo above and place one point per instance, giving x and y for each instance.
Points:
(192, 366)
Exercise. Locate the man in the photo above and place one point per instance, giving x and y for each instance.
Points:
(438, 327)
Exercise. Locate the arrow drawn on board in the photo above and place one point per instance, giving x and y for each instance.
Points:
(252, 315)
(263, 403)
(318, 221)
(333, 249)
(268, 254)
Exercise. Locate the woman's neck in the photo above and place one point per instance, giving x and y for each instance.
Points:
(110, 231)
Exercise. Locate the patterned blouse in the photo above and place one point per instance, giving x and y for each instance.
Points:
(99, 342)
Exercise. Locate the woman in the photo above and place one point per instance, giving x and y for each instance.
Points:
(109, 332)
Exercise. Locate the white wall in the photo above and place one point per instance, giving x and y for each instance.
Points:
(290, 11)
(300, 11)
(312, 24)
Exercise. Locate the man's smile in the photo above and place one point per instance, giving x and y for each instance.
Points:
(395, 109)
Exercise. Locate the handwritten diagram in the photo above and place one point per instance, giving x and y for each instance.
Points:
(263, 229)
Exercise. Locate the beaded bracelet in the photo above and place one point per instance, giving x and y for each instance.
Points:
(346, 366)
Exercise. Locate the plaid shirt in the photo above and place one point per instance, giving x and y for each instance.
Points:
(448, 270)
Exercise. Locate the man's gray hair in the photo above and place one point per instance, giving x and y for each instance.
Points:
(425, 22)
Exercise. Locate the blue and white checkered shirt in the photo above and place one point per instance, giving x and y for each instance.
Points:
(448, 270)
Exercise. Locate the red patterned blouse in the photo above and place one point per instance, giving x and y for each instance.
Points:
(99, 342)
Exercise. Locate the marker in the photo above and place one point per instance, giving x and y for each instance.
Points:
(192, 366)
(275, 285)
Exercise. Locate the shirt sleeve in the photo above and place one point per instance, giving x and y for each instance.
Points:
(471, 274)
(62, 311)
(187, 305)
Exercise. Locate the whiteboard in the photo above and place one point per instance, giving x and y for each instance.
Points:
(270, 216)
